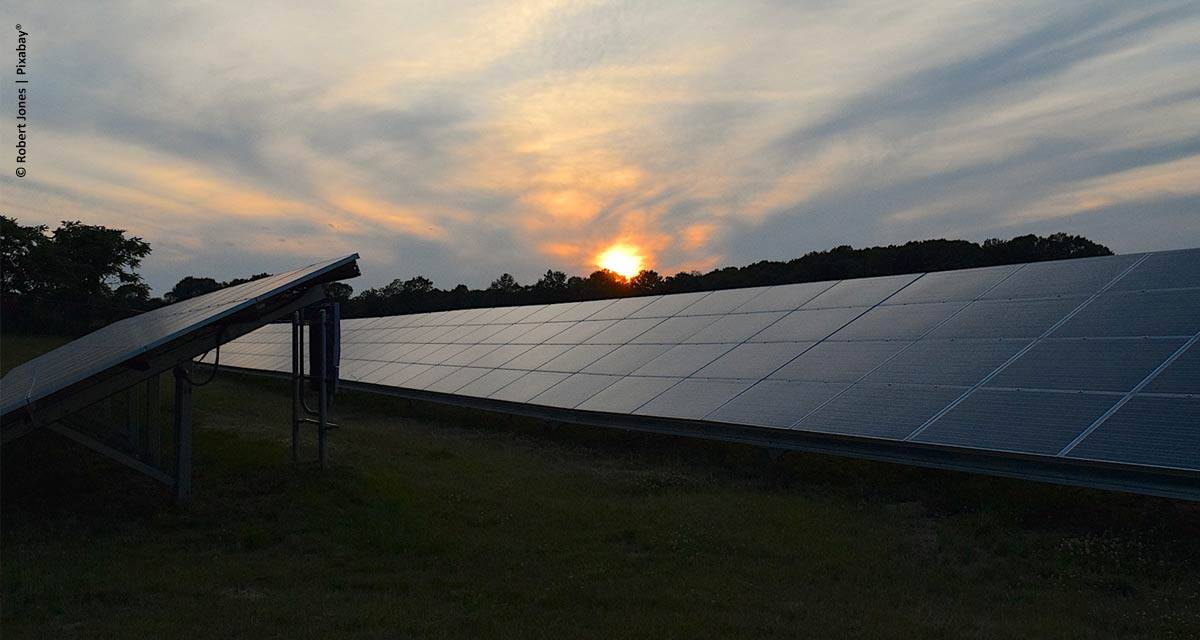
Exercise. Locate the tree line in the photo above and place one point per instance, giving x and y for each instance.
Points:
(78, 277)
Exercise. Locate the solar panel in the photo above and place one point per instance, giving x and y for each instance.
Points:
(1079, 371)
(122, 343)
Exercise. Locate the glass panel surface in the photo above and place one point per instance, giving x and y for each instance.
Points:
(624, 359)
(860, 292)
(1137, 313)
(1081, 277)
(528, 386)
(622, 308)
(776, 403)
(891, 322)
(946, 286)
(1181, 376)
(692, 399)
(683, 360)
(580, 331)
(1019, 421)
(838, 361)
(753, 360)
(879, 410)
(623, 331)
(808, 324)
(583, 310)
(674, 330)
(668, 305)
(735, 327)
(1163, 432)
(1166, 270)
(455, 380)
(785, 297)
(722, 301)
(627, 394)
(947, 362)
(577, 358)
(537, 356)
(574, 390)
(1090, 365)
(1006, 318)
(490, 382)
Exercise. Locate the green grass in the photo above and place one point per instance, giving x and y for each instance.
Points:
(448, 523)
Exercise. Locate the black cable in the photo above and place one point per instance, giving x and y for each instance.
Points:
(216, 362)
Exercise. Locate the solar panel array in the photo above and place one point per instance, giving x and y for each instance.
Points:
(126, 339)
(1090, 359)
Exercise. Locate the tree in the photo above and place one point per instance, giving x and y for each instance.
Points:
(339, 292)
(417, 286)
(647, 281)
(190, 287)
(505, 284)
(18, 245)
(552, 281)
(90, 260)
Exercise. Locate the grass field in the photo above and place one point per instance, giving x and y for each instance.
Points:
(447, 523)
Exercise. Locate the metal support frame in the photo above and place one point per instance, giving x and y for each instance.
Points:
(145, 457)
(315, 318)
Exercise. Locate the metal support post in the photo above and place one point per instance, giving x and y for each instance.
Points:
(153, 425)
(297, 382)
(183, 435)
(323, 398)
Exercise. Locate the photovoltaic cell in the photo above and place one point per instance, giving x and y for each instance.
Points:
(1018, 421)
(693, 399)
(961, 362)
(1181, 376)
(1062, 278)
(784, 297)
(754, 360)
(1137, 313)
(838, 361)
(574, 390)
(860, 292)
(1091, 365)
(627, 394)
(1007, 318)
(879, 410)
(1162, 432)
(890, 322)
(776, 403)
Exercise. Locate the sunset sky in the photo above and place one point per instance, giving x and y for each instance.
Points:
(460, 140)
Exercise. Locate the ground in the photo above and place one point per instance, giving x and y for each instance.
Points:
(449, 523)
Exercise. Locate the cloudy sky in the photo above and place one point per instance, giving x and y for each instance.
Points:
(460, 140)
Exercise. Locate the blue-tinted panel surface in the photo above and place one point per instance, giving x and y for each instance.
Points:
(838, 361)
(1020, 421)
(1137, 313)
(879, 410)
(1007, 318)
(860, 292)
(1181, 376)
(574, 390)
(785, 297)
(905, 321)
(808, 324)
(627, 394)
(1166, 270)
(1152, 431)
(947, 362)
(693, 399)
(1062, 278)
(1091, 365)
(946, 286)
(753, 360)
(776, 403)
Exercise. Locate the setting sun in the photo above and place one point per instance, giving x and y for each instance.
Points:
(622, 260)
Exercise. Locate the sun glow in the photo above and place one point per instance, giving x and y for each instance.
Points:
(622, 260)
